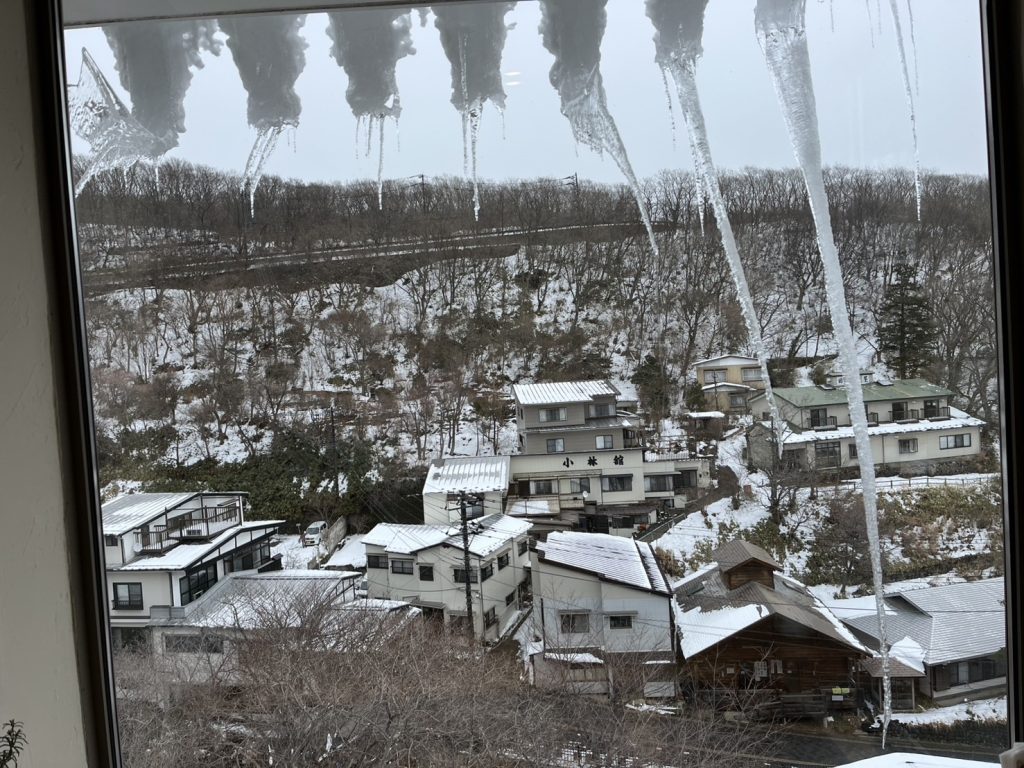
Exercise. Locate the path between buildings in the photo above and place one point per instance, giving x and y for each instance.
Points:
(728, 486)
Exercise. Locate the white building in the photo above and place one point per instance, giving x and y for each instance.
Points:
(603, 615)
(479, 481)
(165, 550)
(581, 450)
(424, 565)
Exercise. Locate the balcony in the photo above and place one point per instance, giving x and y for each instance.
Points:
(154, 541)
(906, 414)
(822, 422)
(126, 605)
(203, 523)
(936, 412)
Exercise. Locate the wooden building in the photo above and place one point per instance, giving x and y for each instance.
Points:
(746, 631)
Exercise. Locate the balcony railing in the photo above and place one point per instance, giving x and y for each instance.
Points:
(201, 524)
(126, 605)
(154, 541)
(822, 422)
(936, 413)
(906, 414)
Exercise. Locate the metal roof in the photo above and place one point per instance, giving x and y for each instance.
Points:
(471, 474)
(950, 622)
(135, 509)
(905, 389)
(556, 393)
(486, 535)
(184, 555)
(727, 360)
(737, 552)
(612, 558)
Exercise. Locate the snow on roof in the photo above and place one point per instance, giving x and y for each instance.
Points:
(473, 474)
(351, 554)
(737, 552)
(904, 389)
(182, 556)
(909, 652)
(550, 393)
(958, 420)
(374, 604)
(700, 629)
(401, 539)
(132, 510)
(727, 360)
(724, 385)
(704, 415)
(247, 601)
(908, 760)
(574, 658)
(486, 535)
(950, 622)
(533, 507)
(612, 558)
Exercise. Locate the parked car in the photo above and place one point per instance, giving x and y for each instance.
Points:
(313, 533)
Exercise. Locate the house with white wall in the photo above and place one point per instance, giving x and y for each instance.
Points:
(912, 424)
(166, 550)
(603, 616)
(424, 565)
(479, 482)
(581, 450)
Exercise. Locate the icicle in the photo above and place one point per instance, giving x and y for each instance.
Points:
(832, 15)
(380, 163)
(156, 175)
(370, 121)
(913, 45)
(398, 136)
(465, 104)
(871, 21)
(501, 115)
(878, 16)
(572, 31)
(359, 123)
(782, 34)
(671, 112)
(678, 44)
(910, 101)
(475, 113)
(262, 148)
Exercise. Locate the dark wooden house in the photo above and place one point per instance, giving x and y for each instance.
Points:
(745, 629)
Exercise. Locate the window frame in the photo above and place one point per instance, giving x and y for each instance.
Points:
(130, 603)
(380, 562)
(405, 567)
(426, 572)
(1002, 40)
(907, 446)
(544, 416)
(568, 623)
(624, 620)
(555, 445)
(600, 441)
(626, 482)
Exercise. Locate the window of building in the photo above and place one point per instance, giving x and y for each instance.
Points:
(620, 622)
(554, 414)
(605, 442)
(510, 597)
(908, 445)
(852, 447)
(579, 485)
(524, 545)
(819, 417)
(460, 576)
(377, 561)
(737, 400)
(826, 453)
(657, 483)
(714, 377)
(751, 374)
(249, 557)
(486, 572)
(955, 441)
(542, 487)
(490, 617)
(575, 623)
(110, 541)
(196, 582)
(600, 410)
(686, 478)
(426, 573)
(616, 483)
(193, 643)
(503, 559)
(402, 566)
(128, 596)
(556, 445)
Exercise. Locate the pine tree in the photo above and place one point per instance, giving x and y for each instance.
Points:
(906, 333)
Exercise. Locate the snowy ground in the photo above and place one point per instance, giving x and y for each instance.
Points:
(983, 709)
(294, 556)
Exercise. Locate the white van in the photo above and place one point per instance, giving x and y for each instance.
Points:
(313, 533)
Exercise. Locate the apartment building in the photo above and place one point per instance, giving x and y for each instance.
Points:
(424, 565)
(912, 425)
(729, 381)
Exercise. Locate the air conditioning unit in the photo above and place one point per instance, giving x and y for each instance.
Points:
(193, 531)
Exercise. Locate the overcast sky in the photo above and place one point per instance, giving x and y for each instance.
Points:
(861, 103)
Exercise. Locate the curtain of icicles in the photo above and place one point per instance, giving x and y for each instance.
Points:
(155, 63)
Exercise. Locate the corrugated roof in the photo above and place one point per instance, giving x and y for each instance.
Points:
(471, 474)
(738, 551)
(135, 509)
(709, 612)
(557, 393)
(486, 535)
(612, 558)
(950, 622)
(958, 420)
(905, 389)
(727, 360)
(182, 556)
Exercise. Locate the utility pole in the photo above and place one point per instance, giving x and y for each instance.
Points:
(465, 563)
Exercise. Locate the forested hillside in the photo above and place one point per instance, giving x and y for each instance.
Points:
(323, 336)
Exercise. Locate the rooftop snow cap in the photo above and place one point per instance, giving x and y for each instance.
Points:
(560, 392)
